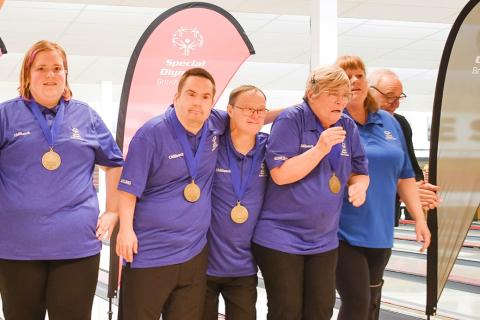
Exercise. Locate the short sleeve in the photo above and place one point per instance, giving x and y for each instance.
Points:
(218, 120)
(359, 158)
(283, 142)
(407, 169)
(107, 152)
(137, 166)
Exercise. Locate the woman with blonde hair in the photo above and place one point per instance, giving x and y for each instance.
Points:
(49, 227)
(314, 156)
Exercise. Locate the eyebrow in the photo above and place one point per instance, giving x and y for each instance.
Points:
(44, 64)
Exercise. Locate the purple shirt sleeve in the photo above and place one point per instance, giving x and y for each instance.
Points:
(283, 143)
(219, 119)
(359, 159)
(137, 166)
(107, 153)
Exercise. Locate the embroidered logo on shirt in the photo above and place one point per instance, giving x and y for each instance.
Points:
(125, 181)
(21, 133)
(388, 135)
(76, 134)
(175, 155)
(344, 150)
(263, 170)
(277, 158)
(223, 170)
(214, 143)
(306, 146)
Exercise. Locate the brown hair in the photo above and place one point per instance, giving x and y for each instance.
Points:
(354, 62)
(195, 72)
(40, 46)
(241, 89)
(326, 78)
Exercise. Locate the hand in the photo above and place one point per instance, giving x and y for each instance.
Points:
(423, 234)
(428, 195)
(127, 244)
(330, 137)
(357, 193)
(105, 225)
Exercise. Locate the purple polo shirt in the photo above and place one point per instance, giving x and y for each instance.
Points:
(169, 229)
(49, 215)
(229, 242)
(302, 217)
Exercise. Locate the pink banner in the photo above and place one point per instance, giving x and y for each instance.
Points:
(189, 37)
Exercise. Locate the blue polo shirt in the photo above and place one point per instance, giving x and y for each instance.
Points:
(169, 229)
(371, 225)
(50, 215)
(302, 217)
(229, 242)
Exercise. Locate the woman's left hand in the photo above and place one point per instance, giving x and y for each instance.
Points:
(428, 195)
(423, 234)
(357, 193)
(106, 223)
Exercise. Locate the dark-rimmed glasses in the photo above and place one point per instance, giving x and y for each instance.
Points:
(391, 99)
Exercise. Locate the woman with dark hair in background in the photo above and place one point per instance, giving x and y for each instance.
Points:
(366, 232)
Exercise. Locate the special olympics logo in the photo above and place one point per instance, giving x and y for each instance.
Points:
(187, 39)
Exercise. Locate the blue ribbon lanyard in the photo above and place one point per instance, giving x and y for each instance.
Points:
(334, 155)
(51, 133)
(192, 161)
(240, 185)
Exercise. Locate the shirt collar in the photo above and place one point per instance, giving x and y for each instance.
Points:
(310, 119)
(372, 118)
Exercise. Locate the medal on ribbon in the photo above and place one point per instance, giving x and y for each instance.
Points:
(51, 160)
(240, 182)
(334, 183)
(192, 191)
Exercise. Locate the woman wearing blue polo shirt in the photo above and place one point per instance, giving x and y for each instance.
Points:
(366, 232)
(237, 196)
(313, 154)
(49, 227)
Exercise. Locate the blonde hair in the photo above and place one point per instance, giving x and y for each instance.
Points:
(326, 78)
(354, 62)
(242, 89)
(40, 46)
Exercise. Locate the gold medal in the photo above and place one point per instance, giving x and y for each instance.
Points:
(191, 192)
(239, 213)
(51, 160)
(334, 184)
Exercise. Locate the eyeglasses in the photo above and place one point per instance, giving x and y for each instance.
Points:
(391, 99)
(248, 111)
(335, 96)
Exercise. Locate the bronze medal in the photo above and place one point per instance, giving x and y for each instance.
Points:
(51, 160)
(239, 213)
(191, 192)
(334, 184)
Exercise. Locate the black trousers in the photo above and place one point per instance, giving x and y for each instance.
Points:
(174, 291)
(239, 294)
(299, 287)
(64, 288)
(359, 270)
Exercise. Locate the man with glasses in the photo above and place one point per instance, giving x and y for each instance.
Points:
(387, 90)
